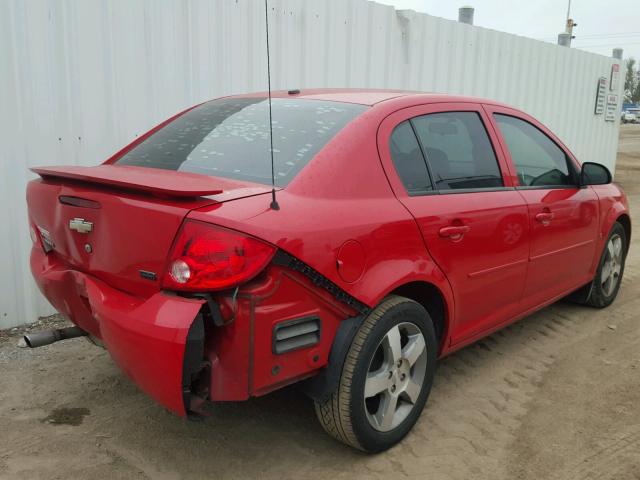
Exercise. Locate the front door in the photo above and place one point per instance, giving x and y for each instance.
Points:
(563, 217)
(475, 225)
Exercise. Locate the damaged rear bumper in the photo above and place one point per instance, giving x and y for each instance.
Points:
(158, 342)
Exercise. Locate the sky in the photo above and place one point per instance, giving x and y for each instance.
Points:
(602, 24)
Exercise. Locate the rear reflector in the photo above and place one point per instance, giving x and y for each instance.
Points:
(296, 334)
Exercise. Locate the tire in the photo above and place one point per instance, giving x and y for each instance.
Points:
(603, 293)
(364, 423)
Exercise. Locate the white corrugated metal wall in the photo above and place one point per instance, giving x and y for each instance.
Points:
(81, 78)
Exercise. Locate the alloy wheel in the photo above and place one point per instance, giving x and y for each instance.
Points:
(395, 376)
(610, 274)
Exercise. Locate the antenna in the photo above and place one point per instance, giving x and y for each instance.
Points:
(274, 202)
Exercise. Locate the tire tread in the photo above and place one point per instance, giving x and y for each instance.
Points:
(334, 413)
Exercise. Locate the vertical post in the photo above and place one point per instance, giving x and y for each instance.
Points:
(564, 39)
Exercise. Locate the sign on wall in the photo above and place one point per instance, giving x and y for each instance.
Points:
(615, 77)
(612, 108)
(600, 95)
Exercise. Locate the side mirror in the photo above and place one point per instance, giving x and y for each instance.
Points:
(594, 174)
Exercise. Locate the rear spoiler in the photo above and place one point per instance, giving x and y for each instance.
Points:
(151, 180)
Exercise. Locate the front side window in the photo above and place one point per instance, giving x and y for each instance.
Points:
(458, 151)
(538, 160)
(408, 160)
(230, 138)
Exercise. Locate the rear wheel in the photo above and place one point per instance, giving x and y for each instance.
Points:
(386, 378)
(606, 283)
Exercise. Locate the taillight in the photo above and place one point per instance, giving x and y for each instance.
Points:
(206, 257)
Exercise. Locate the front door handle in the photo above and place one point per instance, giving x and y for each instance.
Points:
(454, 232)
(544, 217)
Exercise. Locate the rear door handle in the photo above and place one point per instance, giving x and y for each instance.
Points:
(454, 232)
(544, 217)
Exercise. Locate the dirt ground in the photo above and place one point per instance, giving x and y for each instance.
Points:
(555, 396)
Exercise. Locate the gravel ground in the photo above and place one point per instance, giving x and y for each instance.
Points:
(554, 396)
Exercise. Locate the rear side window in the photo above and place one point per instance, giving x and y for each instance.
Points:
(538, 160)
(408, 160)
(458, 151)
(230, 138)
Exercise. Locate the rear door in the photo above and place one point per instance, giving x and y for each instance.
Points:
(563, 217)
(444, 169)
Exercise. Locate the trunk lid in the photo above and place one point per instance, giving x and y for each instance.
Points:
(118, 223)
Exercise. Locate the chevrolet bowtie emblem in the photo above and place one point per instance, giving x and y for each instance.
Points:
(80, 225)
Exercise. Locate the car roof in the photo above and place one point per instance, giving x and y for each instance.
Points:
(371, 97)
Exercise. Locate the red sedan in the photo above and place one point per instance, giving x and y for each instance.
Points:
(405, 227)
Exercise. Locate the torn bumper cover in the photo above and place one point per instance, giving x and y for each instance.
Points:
(156, 341)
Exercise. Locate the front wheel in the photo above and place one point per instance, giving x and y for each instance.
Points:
(386, 378)
(606, 283)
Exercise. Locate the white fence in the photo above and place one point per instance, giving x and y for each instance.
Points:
(81, 78)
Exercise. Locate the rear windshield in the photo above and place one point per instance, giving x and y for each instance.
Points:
(230, 138)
